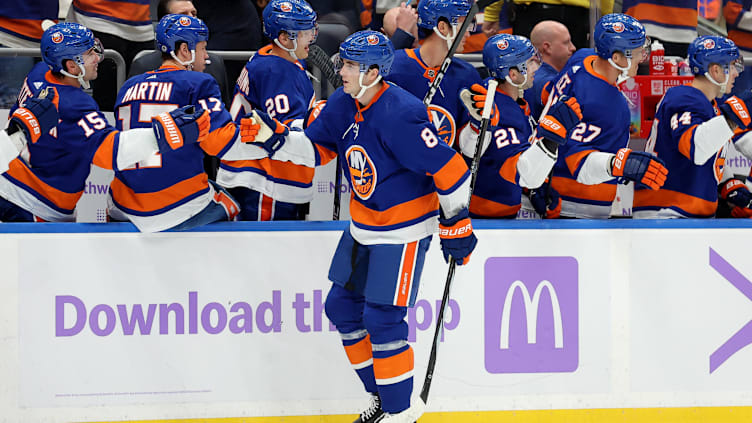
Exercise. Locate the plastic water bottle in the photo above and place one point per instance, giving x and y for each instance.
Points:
(657, 66)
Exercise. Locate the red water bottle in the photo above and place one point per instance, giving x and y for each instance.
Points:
(657, 65)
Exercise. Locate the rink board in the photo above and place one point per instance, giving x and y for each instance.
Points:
(633, 321)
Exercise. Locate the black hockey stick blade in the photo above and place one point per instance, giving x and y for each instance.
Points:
(318, 57)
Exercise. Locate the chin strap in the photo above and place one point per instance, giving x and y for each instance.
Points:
(449, 39)
(188, 64)
(363, 89)
(290, 51)
(723, 84)
(624, 70)
(80, 77)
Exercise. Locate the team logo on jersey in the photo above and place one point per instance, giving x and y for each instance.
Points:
(57, 37)
(618, 27)
(502, 44)
(285, 7)
(185, 21)
(362, 172)
(444, 123)
(372, 39)
(708, 44)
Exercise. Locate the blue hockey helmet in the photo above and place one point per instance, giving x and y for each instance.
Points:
(505, 51)
(618, 32)
(290, 16)
(173, 29)
(431, 11)
(368, 48)
(709, 49)
(67, 41)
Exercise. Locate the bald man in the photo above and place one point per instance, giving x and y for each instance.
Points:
(400, 24)
(555, 47)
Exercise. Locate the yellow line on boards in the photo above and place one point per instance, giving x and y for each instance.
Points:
(605, 415)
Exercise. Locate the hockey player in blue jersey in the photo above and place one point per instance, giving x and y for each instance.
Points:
(46, 182)
(511, 159)
(415, 69)
(405, 184)
(691, 133)
(276, 82)
(171, 190)
(596, 156)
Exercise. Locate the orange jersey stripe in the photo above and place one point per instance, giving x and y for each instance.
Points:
(267, 208)
(31, 28)
(667, 198)
(360, 351)
(508, 170)
(573, 161)
(116, 9)
(731, 12)
(279, 170)
(741, 38)
(680, 16)
(326, 155)
(396, 365)
(399, 213)
(450, 173)
(487, 208)
(151, 201)
(571, 188)
(218, 139)
(104, 155)
(685, 142)
(406, 276)
(64, 200)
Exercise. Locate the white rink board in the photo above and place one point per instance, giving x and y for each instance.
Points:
(644, 307)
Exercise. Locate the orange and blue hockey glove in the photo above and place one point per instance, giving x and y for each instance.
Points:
(180, 127)
(643, 168)
(474, 100)
(546, 201)
(457, 238)
(736, 110)
(37, 117)
(263, 130)
(560, 119)
(735, 192)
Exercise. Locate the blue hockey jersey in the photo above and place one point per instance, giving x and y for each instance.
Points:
(543, 76)
(690, 190)
(395, 170)
(21, 21)
(167, 189)
(447, 112)
(604, 127)
(283, 90)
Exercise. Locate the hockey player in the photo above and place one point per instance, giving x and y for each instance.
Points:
(511, 159)
(415, 69)
(404, 181)
(47, 182)
(172, 190)
(595, 155)
(275, 81)
(691, 133)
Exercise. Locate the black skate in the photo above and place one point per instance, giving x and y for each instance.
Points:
(373, 412)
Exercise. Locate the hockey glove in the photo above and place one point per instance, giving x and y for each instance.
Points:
(457, 238)
(741, 212)
(735, 109)
(313, 113)
(561, 118)
(643, 168)
(38, 116)
(474, 99)
(546, 201)
(180, 127)
(735, 192)
(263, 130)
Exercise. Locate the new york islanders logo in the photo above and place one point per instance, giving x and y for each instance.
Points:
(372, 39)
(285, 7)
(362, 172)
(708, 44)
(185, 21)
(444, 123)
(502, 44)
(57, 37)
(618, 27)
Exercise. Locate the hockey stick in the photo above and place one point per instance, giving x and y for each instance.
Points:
(485, 118)
(321, 60)
(474, 9)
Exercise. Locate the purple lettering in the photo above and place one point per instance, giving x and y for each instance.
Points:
(206, 318)
(80, 322)
(136, 319)
(276, 309)
(300, 305)
(243, 322)
(109, 324)
(164, 318)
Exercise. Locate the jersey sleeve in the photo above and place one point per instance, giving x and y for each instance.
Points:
(324, 135)
(694, 131)
(223, 131)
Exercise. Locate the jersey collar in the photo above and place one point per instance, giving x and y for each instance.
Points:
(428, 73)
(359, 113)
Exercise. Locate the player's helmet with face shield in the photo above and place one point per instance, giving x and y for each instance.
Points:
(290, 16)
(503, 52)
(67, 41)
(368, 48)
(618, 32)
(709, 49)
